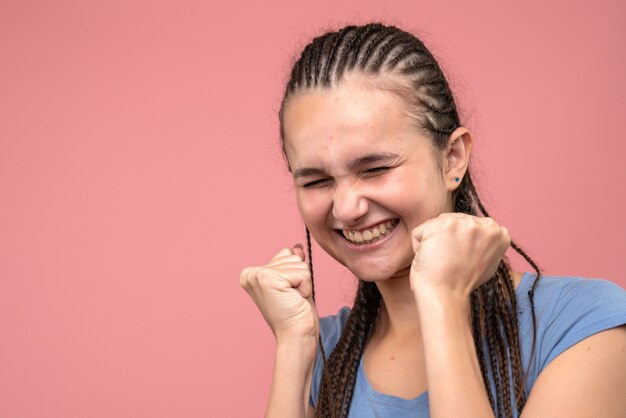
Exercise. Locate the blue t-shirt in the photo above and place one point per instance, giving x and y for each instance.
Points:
(567, 309)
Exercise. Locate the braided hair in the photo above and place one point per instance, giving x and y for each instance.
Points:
(397, 61)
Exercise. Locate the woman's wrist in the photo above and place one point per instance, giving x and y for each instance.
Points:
(426, 294)
(303, 347)
(292, 377)
(448, 345)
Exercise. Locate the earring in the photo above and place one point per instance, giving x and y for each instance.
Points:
(457, 179)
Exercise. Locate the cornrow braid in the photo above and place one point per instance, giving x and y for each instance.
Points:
(337, 389)
(319, 57)
(308, 76)
(509, 311)
(490, 330)
(331, 59)
(370, 47)
(349, 52)
(308, 247)
(386, 53)
(516, 346)
(504, 361)
(408, 47)
(478, 323)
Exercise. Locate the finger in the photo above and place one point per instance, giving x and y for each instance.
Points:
(454, 215)
(297, 265)
(297, 279)
(300, 282)
(247, 274)
(507, 235)
(306, 289)
(417, 235)
(293, 258)
(488, 221)
(298, 250)
(243, 277)
(282, 253)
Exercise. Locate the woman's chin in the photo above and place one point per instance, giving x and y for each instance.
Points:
(373, 269)
(378, 274)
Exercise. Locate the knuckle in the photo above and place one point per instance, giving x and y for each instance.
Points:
(263, 274)
(448, 223)
(294, 258)
(243, 277)
(507, 235)
(490, 224)
(472, 223)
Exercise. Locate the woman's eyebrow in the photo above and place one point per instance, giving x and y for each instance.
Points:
(372, 158)
(366, 159)
(307, 171)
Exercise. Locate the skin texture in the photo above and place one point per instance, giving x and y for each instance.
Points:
(425, 270)
(327, 130)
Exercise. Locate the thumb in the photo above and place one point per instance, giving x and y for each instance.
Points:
(416, 237)
(298, 250)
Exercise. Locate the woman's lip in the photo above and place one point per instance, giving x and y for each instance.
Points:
(372, 245)
(365, 228)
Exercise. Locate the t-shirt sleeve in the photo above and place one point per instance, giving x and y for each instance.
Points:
(331, 328)
(583, 308)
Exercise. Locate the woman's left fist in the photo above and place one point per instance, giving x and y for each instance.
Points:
(456, 252)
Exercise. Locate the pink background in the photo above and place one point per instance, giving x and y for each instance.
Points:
(140, 172)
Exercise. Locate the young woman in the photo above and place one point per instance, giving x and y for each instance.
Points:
(441, 326)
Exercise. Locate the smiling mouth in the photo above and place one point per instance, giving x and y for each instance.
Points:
(370, 235)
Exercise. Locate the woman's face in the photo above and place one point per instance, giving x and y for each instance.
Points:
(361, 169)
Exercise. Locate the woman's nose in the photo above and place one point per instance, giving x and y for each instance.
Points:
(349, 204)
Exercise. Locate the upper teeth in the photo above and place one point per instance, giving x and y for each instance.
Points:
(372, 234)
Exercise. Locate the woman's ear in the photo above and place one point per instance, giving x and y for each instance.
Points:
(456, 157)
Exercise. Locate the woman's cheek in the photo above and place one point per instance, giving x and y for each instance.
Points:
(313, 206)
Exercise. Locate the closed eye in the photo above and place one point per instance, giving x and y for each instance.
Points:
(321, 182)
(316, 183)
(377, 170)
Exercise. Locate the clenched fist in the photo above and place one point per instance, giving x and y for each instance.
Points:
(456, 252)
(282, 290)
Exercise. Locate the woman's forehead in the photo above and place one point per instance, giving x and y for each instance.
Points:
(352, 152)
(316, 121)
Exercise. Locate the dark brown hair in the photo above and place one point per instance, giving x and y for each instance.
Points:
(395, 60)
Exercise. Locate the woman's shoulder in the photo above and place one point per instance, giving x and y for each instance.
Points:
(559, 281)
(568, 309)
(554, 294)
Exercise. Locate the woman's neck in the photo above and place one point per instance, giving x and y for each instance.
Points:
(398, 316)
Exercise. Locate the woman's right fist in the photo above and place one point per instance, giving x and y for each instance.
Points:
(283, 292)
